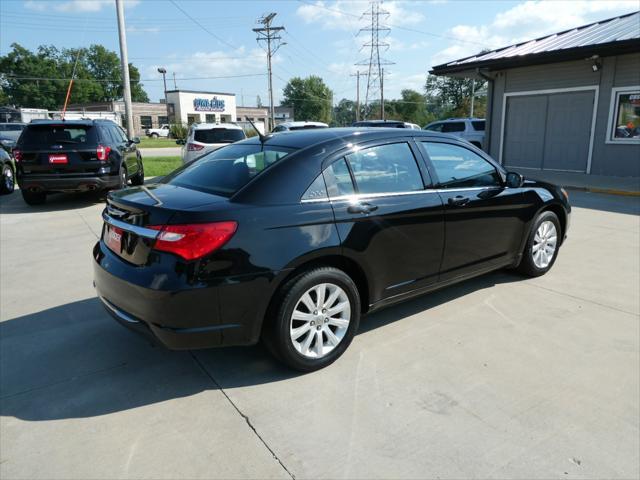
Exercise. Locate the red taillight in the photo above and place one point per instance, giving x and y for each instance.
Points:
(103, 153)
(194, 240)
(17, 155)
(194, 147)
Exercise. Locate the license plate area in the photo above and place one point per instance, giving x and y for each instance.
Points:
(60, 158)
(113, 238)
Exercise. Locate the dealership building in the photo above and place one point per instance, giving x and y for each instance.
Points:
(566, 102)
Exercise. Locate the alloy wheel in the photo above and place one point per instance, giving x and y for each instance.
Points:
(8, 179)
(544, 244)
(320, 320)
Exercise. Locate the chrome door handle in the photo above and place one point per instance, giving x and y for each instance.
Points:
(458, 201)
(362, 208)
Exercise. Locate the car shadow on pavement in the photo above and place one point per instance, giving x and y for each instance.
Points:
(74, 361)
(14, 204)
(606, 203)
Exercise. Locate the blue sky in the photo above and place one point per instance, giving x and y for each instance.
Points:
(321, 36)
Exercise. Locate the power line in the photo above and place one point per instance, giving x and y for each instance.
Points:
(116, 80)
(221, 40)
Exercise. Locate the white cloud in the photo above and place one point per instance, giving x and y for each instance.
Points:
(75, 5)
(347, 15)
(526, 21)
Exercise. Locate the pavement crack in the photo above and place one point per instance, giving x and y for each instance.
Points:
(88, 226)
(237, 409)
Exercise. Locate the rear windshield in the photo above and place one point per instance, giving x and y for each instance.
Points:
(478, 125)
(228, 169)
(218, 135)
(45, 136)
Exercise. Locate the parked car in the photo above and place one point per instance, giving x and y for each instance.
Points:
(164, 132)
(7, 173)
(75, 155)
(289, 126)
(470, 129)
(386, 124)
(290, 239)
(206, 137)
(9, 133)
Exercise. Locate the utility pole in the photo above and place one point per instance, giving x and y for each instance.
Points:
(375, 83)
(175, 85)
(473, 96)
(270, 35)
(124, 60)
(357, 75)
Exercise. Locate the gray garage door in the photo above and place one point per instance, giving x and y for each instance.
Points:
(548, 131)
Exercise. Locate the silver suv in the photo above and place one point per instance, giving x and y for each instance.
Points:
(469, 129)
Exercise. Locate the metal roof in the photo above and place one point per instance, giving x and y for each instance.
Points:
(624, 29)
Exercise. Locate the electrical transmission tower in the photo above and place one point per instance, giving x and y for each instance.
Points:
(269, 34)
(375, 64)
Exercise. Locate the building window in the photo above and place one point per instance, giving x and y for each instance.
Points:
(145, 121)
(210, 118)
(624, 115)
(163, 121)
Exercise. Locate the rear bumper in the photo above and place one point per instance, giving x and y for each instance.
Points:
(172, 311)
(67, 183)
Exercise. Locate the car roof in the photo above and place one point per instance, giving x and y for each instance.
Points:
(459, 119)
(87, 122)
(378, 122)
(304, 138)
(301, 123)
(209, 126)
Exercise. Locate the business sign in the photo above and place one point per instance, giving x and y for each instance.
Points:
(208, 104)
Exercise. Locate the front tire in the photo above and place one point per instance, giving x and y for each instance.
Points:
(154, 135)
(315, 319)
(542, 246)
(138, 178)
(7, 180)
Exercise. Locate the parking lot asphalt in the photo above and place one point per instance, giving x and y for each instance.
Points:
(498, 377)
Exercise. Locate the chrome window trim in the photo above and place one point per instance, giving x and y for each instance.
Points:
(140, 231)
(362, 196)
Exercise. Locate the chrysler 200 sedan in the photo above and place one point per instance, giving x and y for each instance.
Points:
(290, 238)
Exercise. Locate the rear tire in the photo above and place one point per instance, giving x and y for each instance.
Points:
(33, 198)
(542, 246)
(154, 135)
(7, 180)
(138, 178)
(308, 338)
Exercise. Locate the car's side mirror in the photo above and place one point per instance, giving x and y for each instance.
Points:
(514, 180)
(135, 140)
(180, 142)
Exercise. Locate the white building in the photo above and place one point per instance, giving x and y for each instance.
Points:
(190, 106)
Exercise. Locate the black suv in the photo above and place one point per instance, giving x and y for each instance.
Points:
(75, 156)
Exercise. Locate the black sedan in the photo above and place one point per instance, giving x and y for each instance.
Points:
(290, 238)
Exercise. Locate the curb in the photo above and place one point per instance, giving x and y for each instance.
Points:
(608, 191)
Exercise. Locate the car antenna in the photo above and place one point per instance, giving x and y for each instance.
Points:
(260, 135)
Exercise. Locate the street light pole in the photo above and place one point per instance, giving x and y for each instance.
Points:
(124, 60)
(163, 71)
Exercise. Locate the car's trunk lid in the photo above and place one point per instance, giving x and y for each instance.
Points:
(132, 217)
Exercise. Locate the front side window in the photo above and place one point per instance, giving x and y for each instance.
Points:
(436, 127)
(385, 169)
(458, 167)
(228, 169)
(453, 127)
(625, 125)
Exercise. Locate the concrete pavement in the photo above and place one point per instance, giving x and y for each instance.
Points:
(160, 152)
(499, 377)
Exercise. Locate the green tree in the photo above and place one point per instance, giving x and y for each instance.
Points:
(310, 98)
(344, 113)
(32, 79)
(451, 97)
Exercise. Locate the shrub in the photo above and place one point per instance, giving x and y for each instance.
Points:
(179, 131)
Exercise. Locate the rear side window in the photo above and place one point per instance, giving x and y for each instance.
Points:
(45, 136)
(458, 167)
(11, 128)
(228, 169)
(385, 169)
(218, 135)
(478, 125)
(452, 127)
(338, 179)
